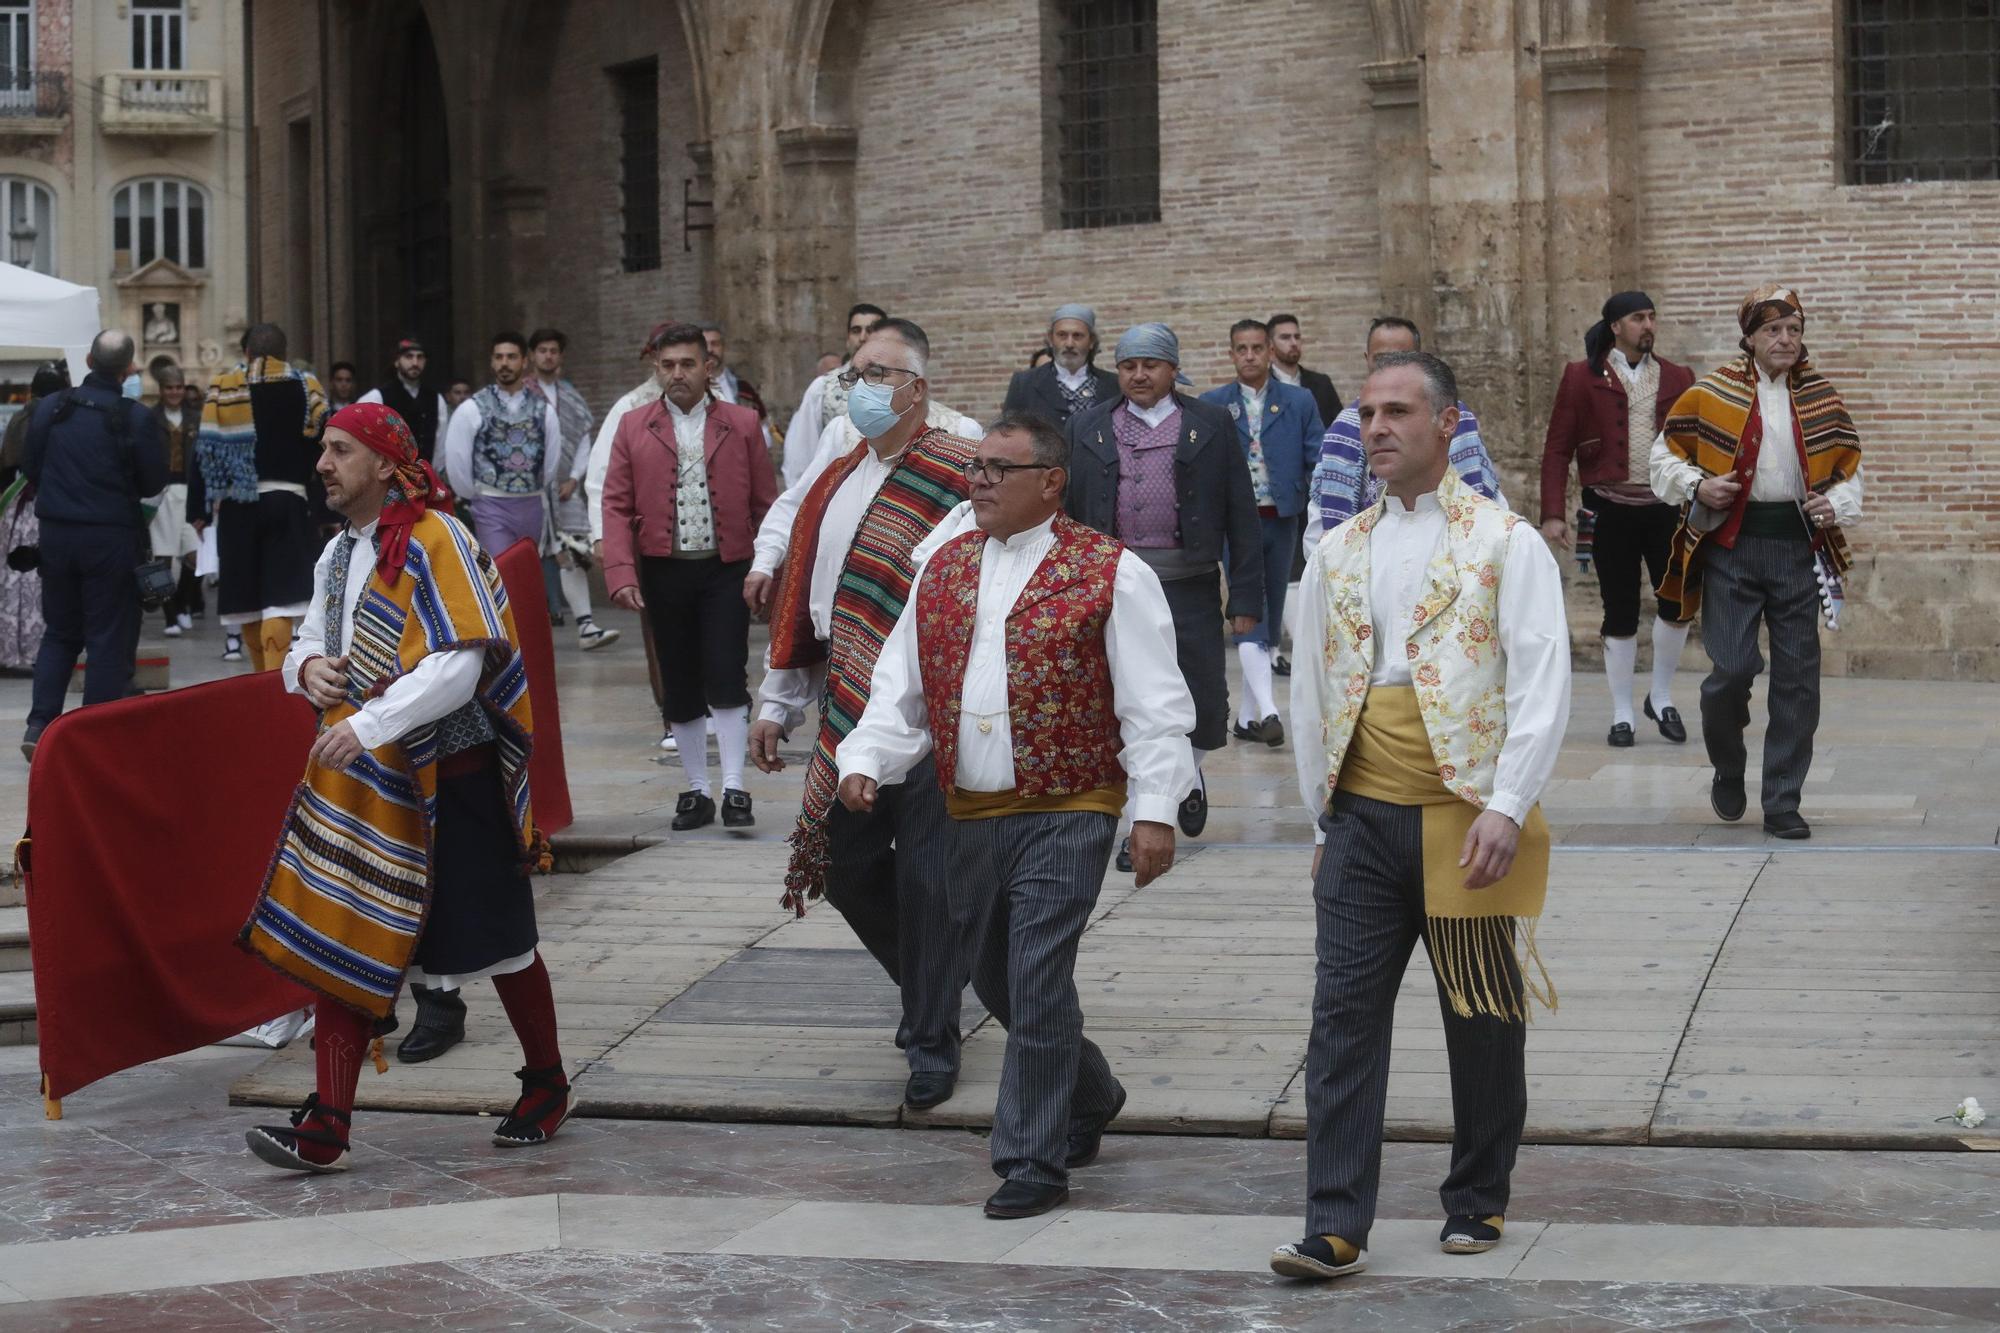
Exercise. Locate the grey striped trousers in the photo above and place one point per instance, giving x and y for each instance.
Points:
(1769, 580)
(1369, 902)
(887, 875)
(1031, 882)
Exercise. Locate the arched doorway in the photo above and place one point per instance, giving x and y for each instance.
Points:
(403, 148)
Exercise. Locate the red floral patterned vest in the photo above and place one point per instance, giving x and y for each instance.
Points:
(1059, 702)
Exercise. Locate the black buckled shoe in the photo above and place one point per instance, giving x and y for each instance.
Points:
(1670, 722)
(694, 810)
(439, 1026)
(1124, 861)
(279, 1144)
(1086, 1138)
(1194, 812)
(1274, 731)
(1022, 1198)
(1787, 824)
(1727, 797)
(1621, 737)
(930, 1087)
(1469, 1235)
(549, 1088)
(736, 809)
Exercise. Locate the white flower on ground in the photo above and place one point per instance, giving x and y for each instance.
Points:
(1969, 1113)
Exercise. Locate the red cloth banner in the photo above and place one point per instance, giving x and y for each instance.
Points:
(153, 822)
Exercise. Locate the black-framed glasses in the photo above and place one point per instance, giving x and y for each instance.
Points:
(992, 471)
(875, 375)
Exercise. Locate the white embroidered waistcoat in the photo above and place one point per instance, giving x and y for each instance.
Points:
(1456, 665)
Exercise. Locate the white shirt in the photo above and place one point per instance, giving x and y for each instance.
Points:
(600, 450)
(1072, 379)
(1154, 710)
(441, 683)
(443, 412)
(1777, 476)
(1628, 370)
(806, 427)
(1534, 638)
(788, 691)
(459, 473)
(1287, 376)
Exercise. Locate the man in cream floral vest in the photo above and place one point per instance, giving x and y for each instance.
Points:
(1429, 696)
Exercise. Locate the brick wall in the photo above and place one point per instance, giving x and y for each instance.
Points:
(606, 311)
(1266, 194)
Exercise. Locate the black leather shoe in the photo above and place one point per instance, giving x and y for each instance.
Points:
(693, 810)
(1726, 795)
(1253, 732)
(1621, 737)
(1789, 825)
(736, 809)
(1281, 666)
(1274, 731)
(1124, 862)
(1669, 719)
(1021, 1198)
(927, 1089)
(439, 1025)
(1194, 813)
(1087, 1137)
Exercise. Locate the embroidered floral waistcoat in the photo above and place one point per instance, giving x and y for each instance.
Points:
(1059, 700)
(507, 452)
(1456, 665)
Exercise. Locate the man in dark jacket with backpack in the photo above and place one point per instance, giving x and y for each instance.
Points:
(92, 454)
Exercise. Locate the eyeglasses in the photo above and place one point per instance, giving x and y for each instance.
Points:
(875, 375)
(992, 471)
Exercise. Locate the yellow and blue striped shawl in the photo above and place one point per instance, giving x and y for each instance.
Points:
(348, 892)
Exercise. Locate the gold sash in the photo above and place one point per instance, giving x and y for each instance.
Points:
(1390, 759)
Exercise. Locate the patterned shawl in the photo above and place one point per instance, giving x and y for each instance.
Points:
(874, 583)
(573, 414)
(350, 887)
(1717, 419)
(226, 446)
(1346, 486)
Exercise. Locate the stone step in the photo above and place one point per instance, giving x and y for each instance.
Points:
(17, 1009)
(14, 940)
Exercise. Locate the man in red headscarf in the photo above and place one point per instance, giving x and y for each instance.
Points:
(407, 848)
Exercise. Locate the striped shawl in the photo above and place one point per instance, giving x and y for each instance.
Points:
(348, 892)
(874, 583)
(1710, 425)
(226, 446)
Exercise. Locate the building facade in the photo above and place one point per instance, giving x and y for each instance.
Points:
(1489, 168)
(123, 165)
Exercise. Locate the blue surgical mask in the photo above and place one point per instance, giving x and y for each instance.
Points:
(868, 407)
(132, 385)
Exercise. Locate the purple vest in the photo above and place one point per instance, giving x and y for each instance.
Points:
(1148, 512)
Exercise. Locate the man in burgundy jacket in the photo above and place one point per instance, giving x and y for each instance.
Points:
(689, 482)
(1608, 408)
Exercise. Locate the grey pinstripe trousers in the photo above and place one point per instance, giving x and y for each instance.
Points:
(1769, 580)
(887, 875)
(1369, 901)
(1031, 881)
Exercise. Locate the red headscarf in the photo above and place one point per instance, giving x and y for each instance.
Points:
(415, 488)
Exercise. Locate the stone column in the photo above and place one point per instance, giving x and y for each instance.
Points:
(818, 249)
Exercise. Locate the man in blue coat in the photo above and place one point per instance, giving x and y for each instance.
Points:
(1279, 429)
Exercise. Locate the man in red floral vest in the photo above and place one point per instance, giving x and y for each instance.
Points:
(1035, 662)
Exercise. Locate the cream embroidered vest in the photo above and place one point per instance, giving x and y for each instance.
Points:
(1456, 665)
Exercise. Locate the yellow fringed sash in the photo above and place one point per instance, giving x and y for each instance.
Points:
(1390, 760)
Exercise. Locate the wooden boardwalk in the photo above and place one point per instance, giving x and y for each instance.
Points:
(1821, 998)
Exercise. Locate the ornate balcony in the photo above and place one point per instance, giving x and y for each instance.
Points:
(147, 101)
(33, 102)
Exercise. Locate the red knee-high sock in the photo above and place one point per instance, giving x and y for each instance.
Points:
(340, 1044)
(531, 1008)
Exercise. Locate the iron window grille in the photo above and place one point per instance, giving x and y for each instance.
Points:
(637, 90)
(1923, 91)
(1107, 137)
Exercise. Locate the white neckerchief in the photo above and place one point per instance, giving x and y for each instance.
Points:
(1155, 414)
(1628, 370)
(1072, 380)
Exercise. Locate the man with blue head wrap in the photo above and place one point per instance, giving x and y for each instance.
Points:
(1069, 382)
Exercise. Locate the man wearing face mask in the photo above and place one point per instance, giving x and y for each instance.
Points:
(1768, 464)
(689, 481)
(1069, 383)
(1162, 472)
(846, 538)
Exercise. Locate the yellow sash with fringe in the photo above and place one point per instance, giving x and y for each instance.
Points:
(1470, 932)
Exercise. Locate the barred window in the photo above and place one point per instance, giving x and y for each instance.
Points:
(1106, 106)
(636, 88)
(1923, 90)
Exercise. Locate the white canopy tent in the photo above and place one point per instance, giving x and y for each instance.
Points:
(44, 316)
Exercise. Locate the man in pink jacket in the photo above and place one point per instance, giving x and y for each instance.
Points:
(689, 482)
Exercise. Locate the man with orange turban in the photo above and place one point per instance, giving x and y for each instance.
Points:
(407, 848)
